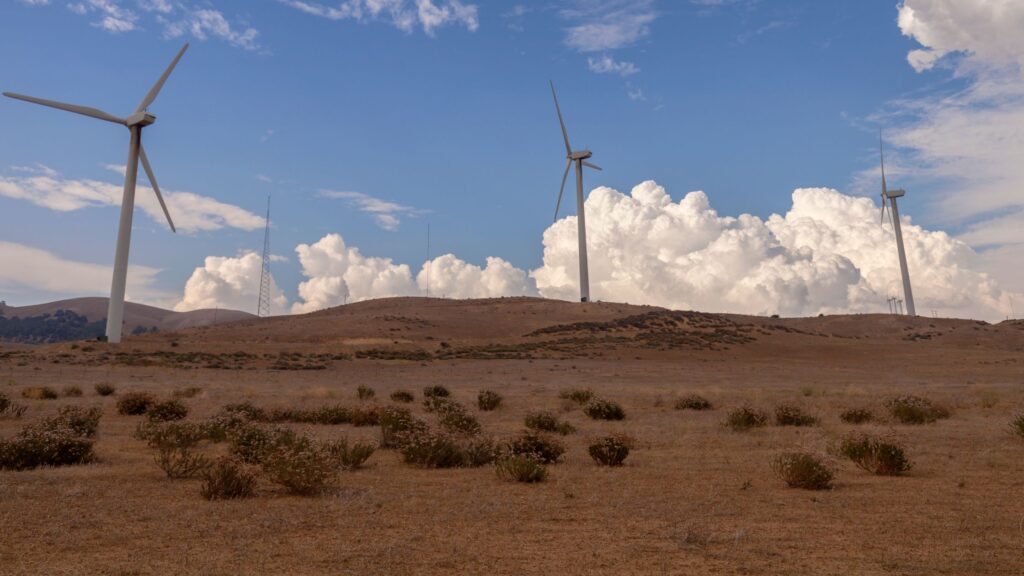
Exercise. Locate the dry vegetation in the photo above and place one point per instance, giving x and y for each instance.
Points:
(175, 467)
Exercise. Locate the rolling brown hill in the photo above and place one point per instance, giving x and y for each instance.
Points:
(94, 310)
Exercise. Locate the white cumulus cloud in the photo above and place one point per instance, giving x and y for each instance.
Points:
(986, 30)
(233, 283)
(337, 273)
(828, 254)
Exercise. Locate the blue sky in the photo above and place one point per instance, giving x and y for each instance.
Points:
(450, 123)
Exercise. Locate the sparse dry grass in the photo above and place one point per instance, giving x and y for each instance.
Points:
(581, 519)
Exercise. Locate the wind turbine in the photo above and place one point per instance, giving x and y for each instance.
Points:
(580, 158)
(135, 123)
(891, 196)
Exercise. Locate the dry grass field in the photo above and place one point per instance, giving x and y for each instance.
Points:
(693, 497)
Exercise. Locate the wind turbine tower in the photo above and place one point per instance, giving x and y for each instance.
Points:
(263, 308)
(135, 122)
(580, 157)
(890, 196)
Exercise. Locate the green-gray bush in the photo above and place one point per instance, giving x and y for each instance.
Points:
(228, 479)
(488, 400)
(802, 470)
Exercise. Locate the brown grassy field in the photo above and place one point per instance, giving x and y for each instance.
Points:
(693, 497)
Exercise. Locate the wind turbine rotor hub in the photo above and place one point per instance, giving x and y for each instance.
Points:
(581, 155)
(140, 119)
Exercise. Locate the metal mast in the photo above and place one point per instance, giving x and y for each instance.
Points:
(263, 308)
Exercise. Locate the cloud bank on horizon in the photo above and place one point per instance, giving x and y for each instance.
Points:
(828, 254)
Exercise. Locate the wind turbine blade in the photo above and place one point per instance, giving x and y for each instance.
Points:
(565, 134)
(589, 165)
(881, 155)
(83, 110)
(881, 219)
(156, 187)
(155, 90)
(568, 165)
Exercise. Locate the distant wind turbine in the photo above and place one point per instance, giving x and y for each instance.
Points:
(580, 158)
(891, 196)
(135, 123)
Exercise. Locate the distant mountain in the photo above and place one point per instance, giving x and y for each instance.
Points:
(86, 318)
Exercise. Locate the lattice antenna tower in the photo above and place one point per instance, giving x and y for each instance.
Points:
(263, 308)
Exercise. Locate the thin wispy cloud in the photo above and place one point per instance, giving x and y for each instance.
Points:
(406, 15)
(773, 25)
(385, 213)
(173, 19)
(603, 25)
(191, 212)
(608, 65)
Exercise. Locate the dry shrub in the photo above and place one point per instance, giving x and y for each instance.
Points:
(179, 462)
(403, 396)
(301, 467)
(909, 409)
(803, 470)
(218, 427)
(578, 395)
(541, 448)
(396, 424)
(135, 403)
(365, 392)
(876, 455)
(548, 422)
(610, 450)
(520, 469)
(10, 409)
(228, 479)
(789, 415)
(167, 411)
(349, 457)
(745, 418)
(600, 409)
(693, 402)
(364, 417)
(246, 410)
(190, 392)
(487, 400)
(436, 391)
(251, 443)
(1017, 425)
(81, 421)
(45, 443)
(171, 434)
(456, 419)
(325, 415)
(39, 393)
(429, 449)
(71, 392)
(857, 416)
(104, 389)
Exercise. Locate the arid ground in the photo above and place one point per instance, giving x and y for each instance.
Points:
(694, 497)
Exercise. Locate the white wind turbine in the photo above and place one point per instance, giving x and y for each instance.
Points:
(135, 123)
(891, 196)
(580, 158)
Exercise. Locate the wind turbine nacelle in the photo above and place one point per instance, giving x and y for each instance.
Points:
(581, 155)
(895, 193)
(140, 119)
